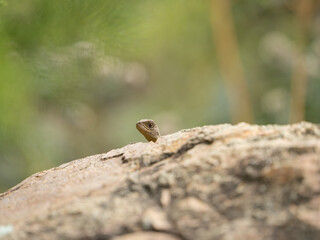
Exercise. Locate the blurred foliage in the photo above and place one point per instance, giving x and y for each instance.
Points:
(75, 75)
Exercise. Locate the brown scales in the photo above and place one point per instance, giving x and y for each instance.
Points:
(148, 129)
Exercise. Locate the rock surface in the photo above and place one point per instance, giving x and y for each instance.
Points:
(214, 182)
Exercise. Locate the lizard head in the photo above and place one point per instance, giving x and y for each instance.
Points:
(148, 129)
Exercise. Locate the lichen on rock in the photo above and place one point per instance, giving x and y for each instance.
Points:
(212, 182)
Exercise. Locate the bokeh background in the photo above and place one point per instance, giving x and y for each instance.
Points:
(75, 75)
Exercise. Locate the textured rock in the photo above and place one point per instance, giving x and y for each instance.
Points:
(212, 182)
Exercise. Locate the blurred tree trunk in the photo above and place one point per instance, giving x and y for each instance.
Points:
(229, 60)
(304, 12)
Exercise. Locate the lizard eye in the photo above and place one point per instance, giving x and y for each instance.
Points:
(150, 125)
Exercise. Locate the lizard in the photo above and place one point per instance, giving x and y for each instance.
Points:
(149, 129)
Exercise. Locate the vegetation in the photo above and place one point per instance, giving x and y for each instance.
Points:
(75, 75)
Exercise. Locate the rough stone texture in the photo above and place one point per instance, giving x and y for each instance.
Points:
(213, 182)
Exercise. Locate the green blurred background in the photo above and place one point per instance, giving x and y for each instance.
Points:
(75, 75)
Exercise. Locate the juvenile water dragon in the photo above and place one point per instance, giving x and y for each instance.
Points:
(149, 129)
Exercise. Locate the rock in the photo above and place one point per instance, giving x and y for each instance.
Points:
(212, 182)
